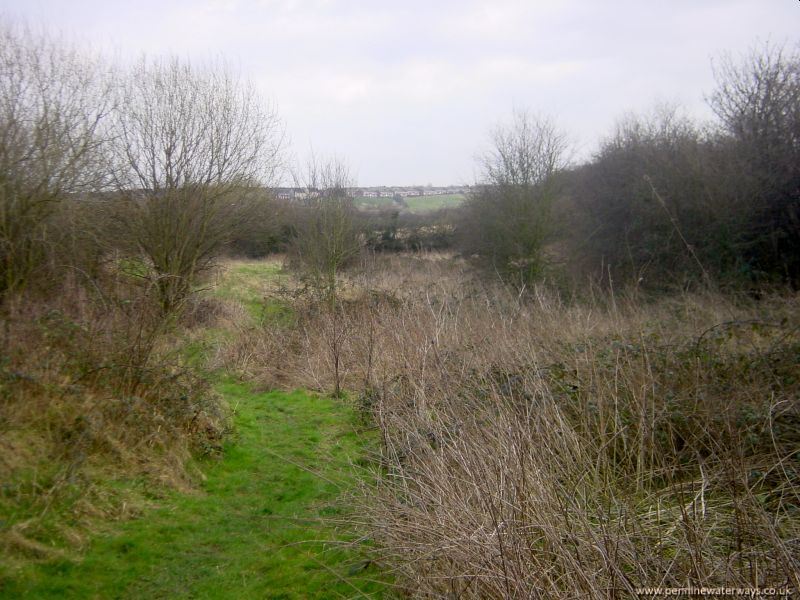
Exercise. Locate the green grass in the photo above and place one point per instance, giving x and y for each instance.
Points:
(246, 282)
(263, 524)
(416, 204)
(419, 204)
(260, 527)
(382, 202)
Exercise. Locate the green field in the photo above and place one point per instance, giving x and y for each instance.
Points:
(419, 204)
(416, 204)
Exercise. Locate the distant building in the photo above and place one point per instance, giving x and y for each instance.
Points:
(284, 193)
(401, 192)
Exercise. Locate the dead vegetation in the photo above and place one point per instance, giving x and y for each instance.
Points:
(93, 392)
(538, 447)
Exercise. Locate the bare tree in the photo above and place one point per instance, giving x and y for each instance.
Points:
(53, 103)
(190, 142)
(327, 240)
(525, 152)
(758, 97)
(758, 102)
(327, 237)
(508, 218)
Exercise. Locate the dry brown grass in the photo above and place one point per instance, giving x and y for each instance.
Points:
(533, 447)
(92, 391)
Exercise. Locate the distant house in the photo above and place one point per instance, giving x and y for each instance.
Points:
(284, 193)
(400, 192)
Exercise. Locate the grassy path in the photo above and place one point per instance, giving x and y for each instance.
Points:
(253, 531)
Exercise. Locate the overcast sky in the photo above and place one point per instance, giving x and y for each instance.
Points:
(407, 91)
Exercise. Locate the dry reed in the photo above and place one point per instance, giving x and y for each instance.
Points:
(537, 447)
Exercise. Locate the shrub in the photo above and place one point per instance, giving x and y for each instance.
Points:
(565, 448)
(507, 221)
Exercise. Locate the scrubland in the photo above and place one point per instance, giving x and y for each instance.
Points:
(134, 467)
(518, 443)
(590, 387)
(93, 390)
(536, 445)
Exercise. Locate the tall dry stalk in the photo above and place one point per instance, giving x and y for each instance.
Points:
(538, 448)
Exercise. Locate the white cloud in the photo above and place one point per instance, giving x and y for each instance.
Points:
(407, 91)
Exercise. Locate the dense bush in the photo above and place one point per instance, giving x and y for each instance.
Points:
(666, 202)
(757, 101)
(395, 231)
(53, 104)
(267, 229)
(642, 210)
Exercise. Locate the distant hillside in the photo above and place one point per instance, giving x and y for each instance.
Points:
(414, 204)
(420, 204)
